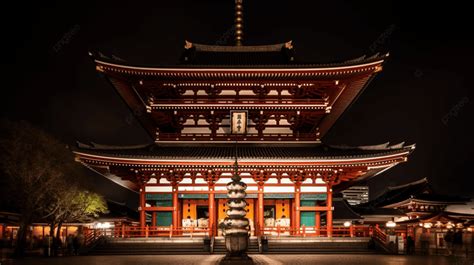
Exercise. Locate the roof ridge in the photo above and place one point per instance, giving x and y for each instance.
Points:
(416, 182)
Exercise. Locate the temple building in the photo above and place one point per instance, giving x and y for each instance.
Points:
(258, 105)
(356, 194)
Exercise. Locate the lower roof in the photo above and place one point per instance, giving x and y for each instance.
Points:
(243, 151)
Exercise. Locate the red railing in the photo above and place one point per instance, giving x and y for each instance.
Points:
(169, 231)
(308, 231)
(162, 231)
(380, 235)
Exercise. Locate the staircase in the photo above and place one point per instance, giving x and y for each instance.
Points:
(319, 245)
(219, 246)
(141, 246)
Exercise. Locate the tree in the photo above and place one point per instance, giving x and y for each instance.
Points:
(72, 204)
(38, 176)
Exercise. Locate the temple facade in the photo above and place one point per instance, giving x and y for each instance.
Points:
(257, 105)
(255, 111)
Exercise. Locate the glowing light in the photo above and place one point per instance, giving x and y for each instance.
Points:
(104, 225)
(427, 225)
(347, 223)
(390, 224)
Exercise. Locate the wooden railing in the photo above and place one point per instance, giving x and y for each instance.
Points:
(169, 231)
(380, 235)
(308, 231)
(162, 231)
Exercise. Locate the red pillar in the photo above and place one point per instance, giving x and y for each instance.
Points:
(153, 219)
(212, 212)
(297, 208)
(329, 211)
(261, 220)
(142, 208)
(318, 223)
(175, 207)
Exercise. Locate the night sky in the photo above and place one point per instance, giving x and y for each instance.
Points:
(422, 96)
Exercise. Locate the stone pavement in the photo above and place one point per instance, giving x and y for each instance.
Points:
(299, 259)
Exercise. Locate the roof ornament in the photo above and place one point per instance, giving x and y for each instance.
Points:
(238, 22)
(289, 45)
(188, 45)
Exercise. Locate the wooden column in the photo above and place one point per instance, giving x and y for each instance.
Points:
(142, 207)
(153, 219)
(297, 207)
(212, 210)
(261, 220)
(329, 211)
(175, 207)
(318, 223)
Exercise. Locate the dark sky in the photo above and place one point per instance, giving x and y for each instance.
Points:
(423, 96)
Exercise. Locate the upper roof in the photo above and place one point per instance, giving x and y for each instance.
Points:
(275, 56)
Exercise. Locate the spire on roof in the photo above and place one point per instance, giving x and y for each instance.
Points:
(238, 22)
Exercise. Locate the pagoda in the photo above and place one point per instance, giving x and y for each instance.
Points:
(259, 102)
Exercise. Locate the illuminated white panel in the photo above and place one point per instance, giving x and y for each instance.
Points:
(200, 181)
(164, 181)
(226, 174)
(282, 130)
(223, 181)
(273, 93)
(284, 122)
(193, 188)
(272, 181)
(246, 93)
(248, 181)
(220, 188)
(307, 181)
(196, 130)
(285, 93)
(158, 189)
(202, 122)
(279, 189)
(252, 188)
(147, 205)
(186, 181)
(286, 181)
(227, 92)
(313, 189)
(189, 93)
(319, 181)
(245, 174)
(271, 122)
(201, 92)
(189, 122)
(152, 181)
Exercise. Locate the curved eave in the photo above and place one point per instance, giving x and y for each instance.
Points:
(270, 71)
(414, 200)
(371, 162)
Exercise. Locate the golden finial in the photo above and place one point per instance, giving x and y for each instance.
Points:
(238, 22)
